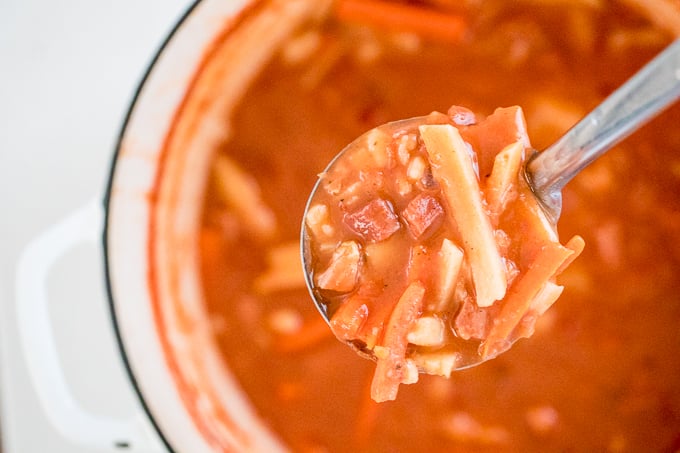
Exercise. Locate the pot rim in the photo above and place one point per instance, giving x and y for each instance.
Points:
(151, 211)
(108, 201)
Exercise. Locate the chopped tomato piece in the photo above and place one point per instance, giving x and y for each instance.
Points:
(390, 369)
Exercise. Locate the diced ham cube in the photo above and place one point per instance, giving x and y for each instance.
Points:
(471, 321)
(461, 116)
(421, 213)
(374, 222)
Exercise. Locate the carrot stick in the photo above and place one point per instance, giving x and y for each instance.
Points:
(389, 370)
(400, 17)
(452, 169)
(504, 126)
(576, 244)
(521, 295)
(378, 315)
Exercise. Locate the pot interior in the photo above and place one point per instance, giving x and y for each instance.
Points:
(289, 83)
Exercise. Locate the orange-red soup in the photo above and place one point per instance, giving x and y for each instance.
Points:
(601, 373)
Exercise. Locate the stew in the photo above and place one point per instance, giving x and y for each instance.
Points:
(601, 371)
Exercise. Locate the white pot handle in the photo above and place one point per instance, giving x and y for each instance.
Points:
(37, 340)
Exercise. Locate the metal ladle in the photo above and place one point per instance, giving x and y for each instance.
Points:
(643, 96)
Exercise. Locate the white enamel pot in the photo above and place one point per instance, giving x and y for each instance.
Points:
(152, 215)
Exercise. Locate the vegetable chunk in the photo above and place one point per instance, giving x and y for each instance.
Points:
(452, 168)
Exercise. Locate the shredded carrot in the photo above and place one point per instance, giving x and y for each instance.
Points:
(576, 244)
(429, 23)
(521, 294)
(506, 125)
(389, 370)
(378, 317)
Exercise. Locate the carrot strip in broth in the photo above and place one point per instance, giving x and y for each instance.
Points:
(521, 295)
(577, 244)
(389, 370)
(429, 23)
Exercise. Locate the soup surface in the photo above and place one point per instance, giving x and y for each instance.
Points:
(601, 372)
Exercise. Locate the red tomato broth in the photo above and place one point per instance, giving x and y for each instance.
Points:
(603, 359)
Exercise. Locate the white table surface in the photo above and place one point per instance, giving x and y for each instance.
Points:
(68, 71)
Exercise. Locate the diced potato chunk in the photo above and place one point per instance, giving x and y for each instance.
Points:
(462, 427)
(427, 331)
(450, 262)
(343, 271)
(440, 363)
(410, 375)
(319, 221)
(376, 143)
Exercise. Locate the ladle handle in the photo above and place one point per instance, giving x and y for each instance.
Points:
(650, 90)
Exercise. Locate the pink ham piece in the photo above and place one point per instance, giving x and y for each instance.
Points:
(374, 222)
